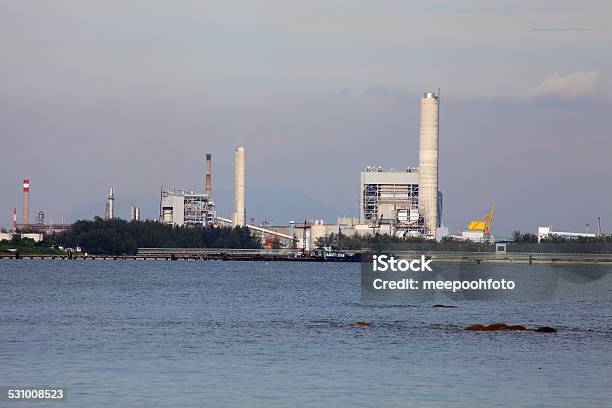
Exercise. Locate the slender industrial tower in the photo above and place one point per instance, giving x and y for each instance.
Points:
(134, 213)
(428, 163)
(209, 175)
(14, 220)
(239, 216)
(25, 220)
(110, 205)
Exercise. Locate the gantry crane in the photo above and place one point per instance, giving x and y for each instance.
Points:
(483, 225)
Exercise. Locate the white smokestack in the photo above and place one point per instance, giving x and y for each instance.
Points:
(239, 216)
(428, 163)
(134, 213)
(110, 205)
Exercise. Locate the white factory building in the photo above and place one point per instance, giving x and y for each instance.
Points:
(185, 208)
(547, 232)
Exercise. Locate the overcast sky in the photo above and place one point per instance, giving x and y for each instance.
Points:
(134, 93)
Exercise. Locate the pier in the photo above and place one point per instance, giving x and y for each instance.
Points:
(188, 254)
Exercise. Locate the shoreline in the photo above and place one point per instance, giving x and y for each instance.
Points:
(266, 255)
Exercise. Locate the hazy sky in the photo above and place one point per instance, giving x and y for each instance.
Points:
(134, 93)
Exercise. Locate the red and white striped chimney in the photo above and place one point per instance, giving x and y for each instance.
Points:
(26, 202)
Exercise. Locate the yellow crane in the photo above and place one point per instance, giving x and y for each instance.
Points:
(483, 225)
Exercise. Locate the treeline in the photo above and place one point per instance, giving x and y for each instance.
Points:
(378, 242)
(517, 236)
(342, 241)
(118, 237)
(520, 243)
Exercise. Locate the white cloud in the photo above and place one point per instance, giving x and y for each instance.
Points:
(573, 86)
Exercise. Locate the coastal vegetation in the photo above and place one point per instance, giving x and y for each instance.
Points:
(520, 243)
(120, 237)
(384, 241)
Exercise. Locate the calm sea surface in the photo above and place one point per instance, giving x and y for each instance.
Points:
(254, 334)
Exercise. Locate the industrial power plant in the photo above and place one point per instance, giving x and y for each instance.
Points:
(401, 203)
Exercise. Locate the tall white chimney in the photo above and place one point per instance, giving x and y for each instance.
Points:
(428, 163)
(239, 216)
(110, 205)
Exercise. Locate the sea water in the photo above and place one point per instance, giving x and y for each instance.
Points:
(256, 334)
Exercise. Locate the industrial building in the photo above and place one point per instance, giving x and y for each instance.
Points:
(547, 232)
(43, 228)
(7, 236)
(389, 196)
(39, 227)
(407, 201)
(185, 208)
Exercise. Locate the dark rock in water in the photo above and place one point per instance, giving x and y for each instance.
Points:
(495, 327)
(505, 327)
(361, 324)
(545, 329)
(447, 306)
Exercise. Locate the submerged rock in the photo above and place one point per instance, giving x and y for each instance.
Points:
(505, 327)
(545, 329)
(495, 327)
